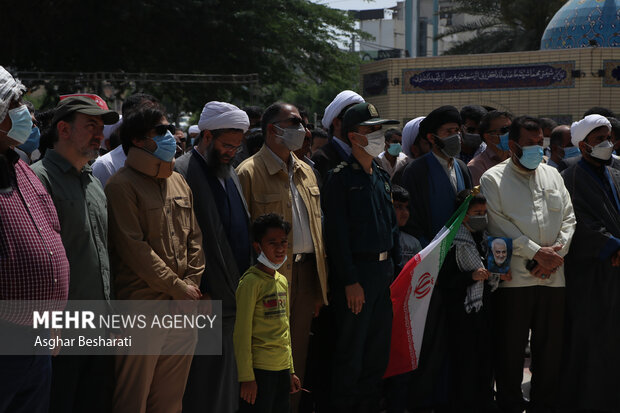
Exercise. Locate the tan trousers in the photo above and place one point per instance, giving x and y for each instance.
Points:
(305, 291)
(155, 384)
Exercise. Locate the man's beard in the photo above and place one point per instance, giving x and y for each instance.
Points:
(215, 164)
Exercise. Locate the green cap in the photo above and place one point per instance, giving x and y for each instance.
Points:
(363, 114)
(83, 105)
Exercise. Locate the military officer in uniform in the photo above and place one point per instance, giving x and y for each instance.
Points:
(362, 245)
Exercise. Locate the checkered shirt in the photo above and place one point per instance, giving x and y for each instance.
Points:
(33, 264)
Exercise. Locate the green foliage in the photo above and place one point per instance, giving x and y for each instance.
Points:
(503, 25)
(291, 44)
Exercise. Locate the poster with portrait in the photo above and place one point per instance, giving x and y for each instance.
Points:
(500, 252)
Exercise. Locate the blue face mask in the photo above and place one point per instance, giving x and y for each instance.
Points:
(395, 149)
(166, 147)
(503, 142)
(33, 141)
(571, 152)
(21, 124)
(531, 157)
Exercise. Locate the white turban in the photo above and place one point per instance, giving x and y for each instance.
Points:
(410, 133)
(10, 89)
(341, 101)
(222, 115)
(193, 129)
(579, 130)
(109, 129)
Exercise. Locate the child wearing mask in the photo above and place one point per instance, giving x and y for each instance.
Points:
(469, 312)
(262, 337)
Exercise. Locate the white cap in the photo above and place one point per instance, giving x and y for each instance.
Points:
(341, 101)
(193, 129)
(579, 130)
(222, 115)
(10, 89)
(410, 133)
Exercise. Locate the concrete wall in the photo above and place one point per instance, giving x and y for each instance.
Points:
(387, 83)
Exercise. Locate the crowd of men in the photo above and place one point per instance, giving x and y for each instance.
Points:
(167, 214)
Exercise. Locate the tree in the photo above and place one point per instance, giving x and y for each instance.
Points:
(287, 42)
(502, 25)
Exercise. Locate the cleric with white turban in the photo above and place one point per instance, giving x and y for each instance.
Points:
(222, 115)
(10, 89)
(410, 133)
(341, 101)
(579, 130)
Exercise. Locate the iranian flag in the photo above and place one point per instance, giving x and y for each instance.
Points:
(411, 296)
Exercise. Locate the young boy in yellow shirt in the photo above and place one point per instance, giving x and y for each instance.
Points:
(262, 335)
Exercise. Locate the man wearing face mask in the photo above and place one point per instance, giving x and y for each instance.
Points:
(155, 254)
(26, 149)
(593, 272)
(434, 179)
(470, 132)
(33, 263)
(274, 180)
(82, 212)
(560, 146)
(361, 233)
(393, 156)
(223, 217)
(337, 149)
(493, 128)
(528, 202)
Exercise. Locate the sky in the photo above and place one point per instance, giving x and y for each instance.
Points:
(357, 4)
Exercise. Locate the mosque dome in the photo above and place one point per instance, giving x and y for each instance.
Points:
(582, 23)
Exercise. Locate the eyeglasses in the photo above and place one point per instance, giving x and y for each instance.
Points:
(161, 129)
(499, 131)
(230, 148)
(294, 121)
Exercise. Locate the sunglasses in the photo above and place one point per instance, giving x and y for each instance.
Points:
(294, 121)
(499, 131)
(161, 129)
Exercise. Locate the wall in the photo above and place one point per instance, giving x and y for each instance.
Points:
(560, 84)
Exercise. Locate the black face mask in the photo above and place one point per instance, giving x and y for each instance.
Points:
(471, 140)
(450, 146)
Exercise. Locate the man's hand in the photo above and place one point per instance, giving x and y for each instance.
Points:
(355, 297)
(187, 292)
(541, 272)
(548, 257)
(249, 389)
(295, 383)
(506, 277)
(615, 259)
(480, 274)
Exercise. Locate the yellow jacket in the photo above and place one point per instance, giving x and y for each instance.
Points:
(262, 335)
(266, 189)
(155, 241)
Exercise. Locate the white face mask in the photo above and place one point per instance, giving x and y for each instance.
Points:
(602, 151)
(376, 143)
(267, 263)
(293, 138)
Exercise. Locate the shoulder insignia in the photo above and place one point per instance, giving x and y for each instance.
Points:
(340, 167)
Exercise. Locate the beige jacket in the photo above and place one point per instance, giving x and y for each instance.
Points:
(266, 189)
(155, 241)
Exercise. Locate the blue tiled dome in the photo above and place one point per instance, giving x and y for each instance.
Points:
(580, 22)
